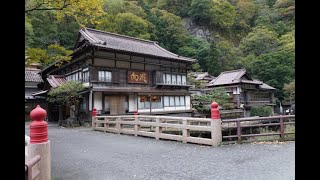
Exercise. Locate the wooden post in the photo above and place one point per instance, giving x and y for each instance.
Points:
(281, 128)
(158, 128)
(239, 130)
(118, 125)
(136, 124)
(105, 124)
(216, 129)
(185, 131)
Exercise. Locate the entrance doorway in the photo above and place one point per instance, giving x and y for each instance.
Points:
(116, 104)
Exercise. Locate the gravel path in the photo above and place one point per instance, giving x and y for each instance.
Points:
(83, 154)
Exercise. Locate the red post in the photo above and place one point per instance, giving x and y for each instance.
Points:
(215, 114)
(38, 127)
(94, 112)
(135, 113)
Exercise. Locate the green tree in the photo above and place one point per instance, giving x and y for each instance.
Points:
(68, 95)
(29, 35)
(275, 69)
(200, 11)
(177, 7)
(290, 91)
(223, 13)
(113, 7)
(126, 24)
(218, 95)
(53, 54)
(261, 40)
(169, 30)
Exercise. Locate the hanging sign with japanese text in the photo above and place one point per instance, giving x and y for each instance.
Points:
(140, 77)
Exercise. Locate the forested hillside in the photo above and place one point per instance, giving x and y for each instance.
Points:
(221, 34)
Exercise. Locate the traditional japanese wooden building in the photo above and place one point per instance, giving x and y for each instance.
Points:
(33, 84)
(245, 92)
(125, 74)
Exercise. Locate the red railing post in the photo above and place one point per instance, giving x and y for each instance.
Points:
(38, 127)
(94, 114)
(39, 143)
(215, 114)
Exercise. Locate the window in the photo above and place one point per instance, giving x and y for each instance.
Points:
(174, 79)
(171, 101)
(166, 101)
(168, 78)
(85, 76)
(179, 79)
(177, 100)
(105, 76)
(143, 102)
(184, 80)
(182, 101)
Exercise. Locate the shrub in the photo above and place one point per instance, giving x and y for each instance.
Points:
(261, 111)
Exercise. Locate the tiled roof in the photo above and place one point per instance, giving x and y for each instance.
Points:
(228, 77)
(128, 44)
(56, 80)
(236, 76)
(204, 76)
(31, 75)
(266, 86)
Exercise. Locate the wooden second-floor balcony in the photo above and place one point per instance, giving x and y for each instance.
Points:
(252, 98)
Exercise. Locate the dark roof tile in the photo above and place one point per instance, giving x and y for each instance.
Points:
(31, 75)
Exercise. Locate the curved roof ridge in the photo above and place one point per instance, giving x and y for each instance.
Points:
(120, 35)
(161, 48)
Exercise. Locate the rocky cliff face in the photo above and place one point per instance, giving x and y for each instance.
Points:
(196, 30)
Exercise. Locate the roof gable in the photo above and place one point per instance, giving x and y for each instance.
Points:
(31, 75)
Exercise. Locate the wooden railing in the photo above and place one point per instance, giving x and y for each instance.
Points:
(157, 127)
(29, 174)
(240, 123)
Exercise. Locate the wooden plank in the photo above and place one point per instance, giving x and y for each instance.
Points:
(181, 127)
(113, 130)
(99, 128)
(148, 134)
(264, 134)
(199, 128)
(127, 131)
(258, 118)
(261, 125)
(199, 140)
(232, 136)
(170, 136)
(147, 123)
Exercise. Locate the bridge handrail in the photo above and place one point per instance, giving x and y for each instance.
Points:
(186, 124)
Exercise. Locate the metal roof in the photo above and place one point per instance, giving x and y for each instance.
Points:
(56, 80)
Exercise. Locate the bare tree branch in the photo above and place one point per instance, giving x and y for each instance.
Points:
(39, 7)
